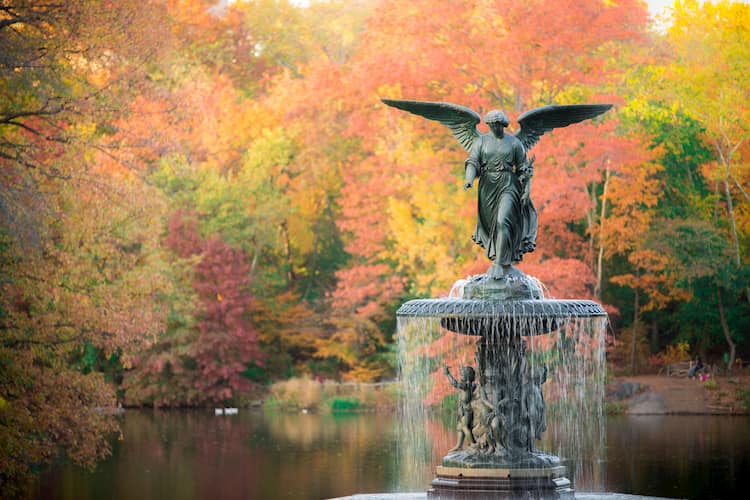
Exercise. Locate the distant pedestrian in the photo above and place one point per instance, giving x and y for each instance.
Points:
(697, 366)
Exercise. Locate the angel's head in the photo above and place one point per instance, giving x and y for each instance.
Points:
(497, 121)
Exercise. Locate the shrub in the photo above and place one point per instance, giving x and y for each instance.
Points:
(615, 408)
(743, 395)
(674, 353)
(344, 404)
(711, 384)
(297, 393)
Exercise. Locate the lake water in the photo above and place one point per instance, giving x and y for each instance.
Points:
(197, 455)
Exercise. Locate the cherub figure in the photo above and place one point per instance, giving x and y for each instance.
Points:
(533, 404)
(495, 423)
(465, 411)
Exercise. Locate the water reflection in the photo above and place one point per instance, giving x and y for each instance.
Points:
(679, 456)
(196, 455)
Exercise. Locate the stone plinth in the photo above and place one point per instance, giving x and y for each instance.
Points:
(458, 483)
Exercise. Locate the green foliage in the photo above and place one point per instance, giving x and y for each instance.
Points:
(256, 373)
(340, 405)
(89, 359)
(615, 408)
(679, 140)
(743, 395)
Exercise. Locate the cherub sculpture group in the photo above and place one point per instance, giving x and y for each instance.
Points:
(510, 421)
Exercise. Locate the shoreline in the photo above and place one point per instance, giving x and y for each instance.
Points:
(668, 395)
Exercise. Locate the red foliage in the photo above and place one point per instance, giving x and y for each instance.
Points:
(222, 344)
(182, 237)
(227, 342)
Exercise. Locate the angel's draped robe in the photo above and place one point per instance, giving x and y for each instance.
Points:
(506, 227)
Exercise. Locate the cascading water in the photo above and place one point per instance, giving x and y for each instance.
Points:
(517, 347)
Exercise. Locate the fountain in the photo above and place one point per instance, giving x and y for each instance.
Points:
(501, 404)
(501, 407)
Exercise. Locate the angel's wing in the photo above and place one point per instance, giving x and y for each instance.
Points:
(461, 120)
(536, 122)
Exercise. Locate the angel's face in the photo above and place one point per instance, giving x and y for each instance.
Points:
(497, 128)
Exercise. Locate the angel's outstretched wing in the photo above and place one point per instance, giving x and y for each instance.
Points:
(536, 122)
(461, 120)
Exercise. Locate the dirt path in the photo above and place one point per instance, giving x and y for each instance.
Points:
(660, 394)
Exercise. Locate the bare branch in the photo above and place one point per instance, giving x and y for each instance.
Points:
(742, 190)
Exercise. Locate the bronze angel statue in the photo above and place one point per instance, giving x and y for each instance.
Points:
(506, 217)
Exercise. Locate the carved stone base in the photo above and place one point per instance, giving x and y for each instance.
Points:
(469, 458)
(502, 284)
(457, 483)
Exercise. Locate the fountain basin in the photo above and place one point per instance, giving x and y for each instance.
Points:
(482, 317)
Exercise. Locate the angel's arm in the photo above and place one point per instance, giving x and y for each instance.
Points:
(452, 380)
(525, 169)
(473, 164)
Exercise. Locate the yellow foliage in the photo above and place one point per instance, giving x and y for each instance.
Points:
(301, 392)
(362, 373)
(676, 352)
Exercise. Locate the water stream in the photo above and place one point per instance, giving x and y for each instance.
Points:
(574, 391)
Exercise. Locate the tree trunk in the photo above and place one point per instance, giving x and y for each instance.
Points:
(727, 333)
(290, 275)
(654, 337)
(636, 319)
(733, 225)
(600, 257)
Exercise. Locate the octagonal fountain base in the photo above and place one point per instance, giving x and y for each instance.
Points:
(420, 495)
(456, 483)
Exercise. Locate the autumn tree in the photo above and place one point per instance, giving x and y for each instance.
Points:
(691, 111)
(81, 260)
(87, 284)
(712, 89)
(227, 345)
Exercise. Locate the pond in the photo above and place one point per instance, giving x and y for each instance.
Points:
(197, 455)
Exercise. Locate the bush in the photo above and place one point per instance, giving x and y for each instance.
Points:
(615, 408)
(297, 393)
(344, 404)
(743, 395)
(674, 353)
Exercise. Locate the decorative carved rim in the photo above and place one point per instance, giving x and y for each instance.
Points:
(470, 308)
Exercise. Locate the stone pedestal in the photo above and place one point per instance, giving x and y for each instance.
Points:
(502, 284)
(459, 483)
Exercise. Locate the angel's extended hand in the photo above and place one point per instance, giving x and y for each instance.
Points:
(467, 185)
